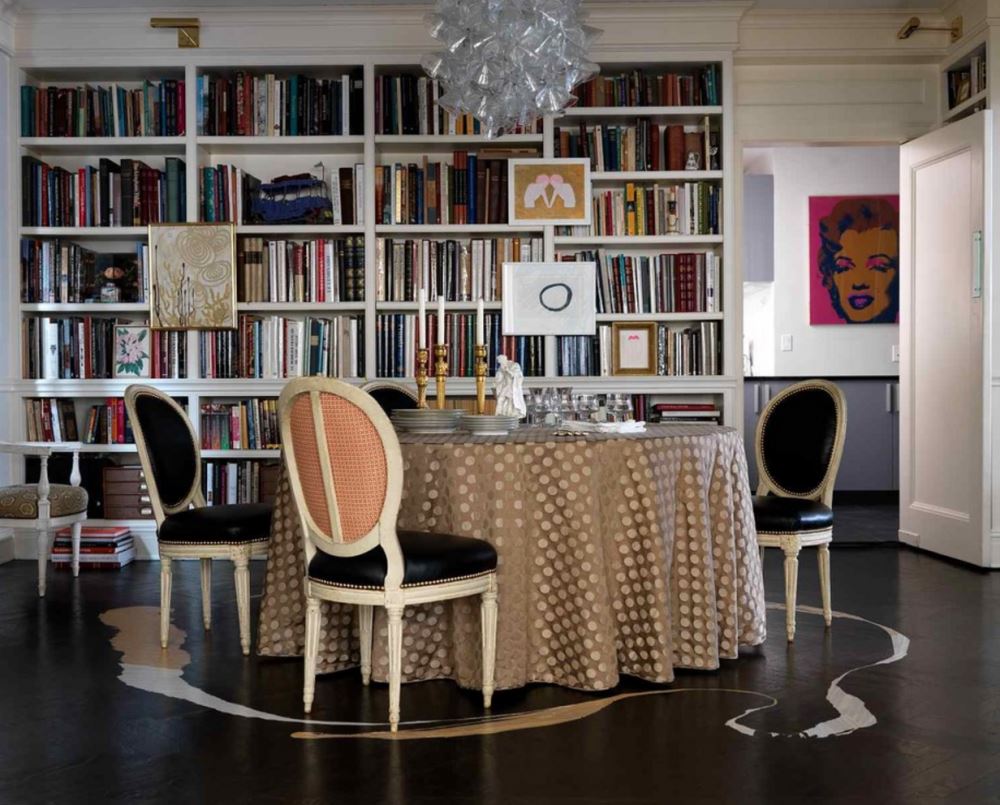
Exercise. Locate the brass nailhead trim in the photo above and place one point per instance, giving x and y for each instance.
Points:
(405, 586)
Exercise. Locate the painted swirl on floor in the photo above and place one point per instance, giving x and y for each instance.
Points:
(146, 667)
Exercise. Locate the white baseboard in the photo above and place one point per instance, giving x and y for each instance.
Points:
(909, 538)
(994, 556)
(6, 545)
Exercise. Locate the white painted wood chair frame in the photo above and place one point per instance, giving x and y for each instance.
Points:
(44, 524)
(394, 596)
(792, 542)
(240, 554)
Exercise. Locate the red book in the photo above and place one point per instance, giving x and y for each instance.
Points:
(675, 148)
(684, 407)
(654, 146)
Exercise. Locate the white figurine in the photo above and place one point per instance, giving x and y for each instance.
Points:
(507, 387)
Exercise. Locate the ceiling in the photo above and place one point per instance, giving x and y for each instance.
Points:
(812, 5)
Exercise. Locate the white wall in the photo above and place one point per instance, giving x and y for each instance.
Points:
(801, 172)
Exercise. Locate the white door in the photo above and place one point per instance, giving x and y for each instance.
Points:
(942, 222)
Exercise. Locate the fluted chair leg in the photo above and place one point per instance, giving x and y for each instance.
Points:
(166, 579)
(365, 615)
(206, 593)
(77, 530)
(791, 548)
(488, 615)
(241, 575)
(395, 662)
(313, 623)
(823, 556)
(43, 560)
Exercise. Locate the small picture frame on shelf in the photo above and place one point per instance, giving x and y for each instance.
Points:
(549, 298)
(192, 276)
(633, 348)
(549, 191)
(132, 350)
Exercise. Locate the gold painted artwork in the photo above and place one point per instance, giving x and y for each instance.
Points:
(557, 191)
(192, 277)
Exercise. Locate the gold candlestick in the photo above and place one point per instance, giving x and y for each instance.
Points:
(422, 378)
(480, 378)
(440, 370)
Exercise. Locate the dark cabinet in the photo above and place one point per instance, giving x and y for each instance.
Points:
(871, 445)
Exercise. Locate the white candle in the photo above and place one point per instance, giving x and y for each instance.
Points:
(440, 321)
(422, 319)
(480, 332)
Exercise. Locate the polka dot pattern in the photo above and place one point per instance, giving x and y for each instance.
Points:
(617, 555)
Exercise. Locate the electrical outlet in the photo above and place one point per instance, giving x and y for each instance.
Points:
(894, 353)
(786, 342)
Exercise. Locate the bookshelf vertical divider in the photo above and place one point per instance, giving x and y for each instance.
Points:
(261, 152)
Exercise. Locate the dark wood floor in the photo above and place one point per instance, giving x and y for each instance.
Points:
(73, 733)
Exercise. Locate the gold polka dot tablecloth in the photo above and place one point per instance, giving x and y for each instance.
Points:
(617, 555)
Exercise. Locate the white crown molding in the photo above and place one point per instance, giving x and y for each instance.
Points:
(8, 17)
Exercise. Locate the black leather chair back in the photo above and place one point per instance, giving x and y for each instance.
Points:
(391, 397)
(798, 437)
(170, 448)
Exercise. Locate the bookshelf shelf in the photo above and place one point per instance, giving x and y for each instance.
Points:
(684, 115)
(678, 317)
(655, 176)
(236, 455)
(413, 306)
(86, 146)
(452, 229)
(91, 232)
(299, 229)
(637, 241)
(94, 308)
(436, 143)
(300, 307)
(963, 108)
(318, 144)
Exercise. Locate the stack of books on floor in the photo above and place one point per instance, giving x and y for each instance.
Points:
(705, 412)
(104, 548)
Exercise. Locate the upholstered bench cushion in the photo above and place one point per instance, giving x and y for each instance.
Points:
(21, 502)
(427, 558)
(775, 515)
(235, 523)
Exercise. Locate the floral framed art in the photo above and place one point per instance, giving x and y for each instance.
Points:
(192, 276)
(132, 350)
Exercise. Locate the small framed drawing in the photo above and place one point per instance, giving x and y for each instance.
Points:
(549, 299)
(551, 191)
(132, 348)
(633, 348)
(192, 276)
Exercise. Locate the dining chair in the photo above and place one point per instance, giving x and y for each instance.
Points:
(345, 469)
(391, 395)
(185, 527)
(799, 443)
(45, 507)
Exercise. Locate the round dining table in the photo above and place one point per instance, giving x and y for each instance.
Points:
(618, 554)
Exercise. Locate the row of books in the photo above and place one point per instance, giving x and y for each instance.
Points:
(226, 193)
(396, 344)
(680, 351)
(645, 146)
(301, 271)
(108, 424)
(156, 109)
(460, 270)
(267, 106)
(663, 283)
(245, 425)
(692, 208)
(275, 347)
(101, 548)
(706, 412)
(964, 82)
(83, 347)
(246, 481)
(472, 189)
(51, 419)
(129, 193)
(63, 272)
(407, 104)
(696, 87)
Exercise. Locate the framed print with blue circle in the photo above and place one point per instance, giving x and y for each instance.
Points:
(549, 299)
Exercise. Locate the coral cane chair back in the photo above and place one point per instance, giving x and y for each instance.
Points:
(345, 469)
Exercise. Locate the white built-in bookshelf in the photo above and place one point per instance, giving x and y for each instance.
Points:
(269, 156)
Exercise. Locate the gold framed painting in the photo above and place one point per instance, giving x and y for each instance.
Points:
(192, 276)
(549, 191)
(633, 348)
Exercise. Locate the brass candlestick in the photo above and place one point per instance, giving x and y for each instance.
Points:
(440, 370)
(422, 378)
(480, 378)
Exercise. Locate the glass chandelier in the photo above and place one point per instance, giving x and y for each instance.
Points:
(508, 62)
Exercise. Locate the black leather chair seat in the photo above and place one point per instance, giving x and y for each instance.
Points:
(427, 558)
(776, 514)
(241, 522)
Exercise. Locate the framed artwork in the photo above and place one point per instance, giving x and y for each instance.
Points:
(551, 191)
(132, 349)
(854, 259)
(549, 299)
(192, 276)
(633, 348)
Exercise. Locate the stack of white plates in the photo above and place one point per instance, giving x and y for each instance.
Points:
(426, 420)
(489, 424)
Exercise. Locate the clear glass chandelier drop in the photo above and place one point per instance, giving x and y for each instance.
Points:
(508, 62)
